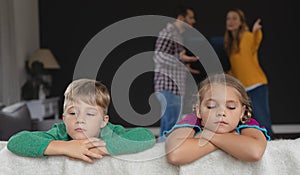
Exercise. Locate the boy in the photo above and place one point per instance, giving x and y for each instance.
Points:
(85, 132)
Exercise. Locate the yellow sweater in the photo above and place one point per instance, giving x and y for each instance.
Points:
(244, 64)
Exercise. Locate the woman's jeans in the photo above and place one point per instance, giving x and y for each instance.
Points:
(260, 103)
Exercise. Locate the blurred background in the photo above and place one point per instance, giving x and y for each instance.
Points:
(65, 27)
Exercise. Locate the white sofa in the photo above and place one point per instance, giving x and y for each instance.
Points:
(282, 157)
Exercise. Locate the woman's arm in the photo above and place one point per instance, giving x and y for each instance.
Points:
(249, 146)
(257, 35)
(182, 147)
(256, 26)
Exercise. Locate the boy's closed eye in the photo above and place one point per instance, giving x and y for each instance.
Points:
(71, 112)
(91, 114)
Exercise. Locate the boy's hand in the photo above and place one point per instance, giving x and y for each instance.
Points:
(83, 149)
(100, 150)
(76, 149)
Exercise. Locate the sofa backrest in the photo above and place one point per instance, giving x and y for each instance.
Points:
(13, 119)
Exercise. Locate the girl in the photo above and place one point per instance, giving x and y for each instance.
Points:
(222, 121)
(242, 47)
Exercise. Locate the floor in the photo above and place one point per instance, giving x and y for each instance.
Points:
(286, 136)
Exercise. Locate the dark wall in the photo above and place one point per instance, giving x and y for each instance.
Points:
(67, 26)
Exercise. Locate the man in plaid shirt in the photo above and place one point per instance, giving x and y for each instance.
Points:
(170, 68)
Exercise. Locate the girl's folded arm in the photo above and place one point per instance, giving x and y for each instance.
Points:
(249, 146)
(182, 147)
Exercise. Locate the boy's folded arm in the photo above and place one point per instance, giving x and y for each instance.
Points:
(125, 141)
(31, 144)
(34, 143)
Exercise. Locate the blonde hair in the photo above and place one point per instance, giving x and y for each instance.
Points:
(232, 43)
(89, 91)
(230, 81)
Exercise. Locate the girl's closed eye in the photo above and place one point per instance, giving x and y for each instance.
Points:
(211, 104)
(231, 105)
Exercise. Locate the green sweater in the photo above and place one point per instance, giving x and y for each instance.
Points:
(118, 140)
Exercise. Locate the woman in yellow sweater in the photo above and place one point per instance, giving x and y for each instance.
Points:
(242, 47)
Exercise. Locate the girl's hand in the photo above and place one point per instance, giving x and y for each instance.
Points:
(256, 25)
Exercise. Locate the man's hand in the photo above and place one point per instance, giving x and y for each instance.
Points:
(193, 71)
(187, 58)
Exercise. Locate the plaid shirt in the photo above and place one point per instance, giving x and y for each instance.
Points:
(170, 73)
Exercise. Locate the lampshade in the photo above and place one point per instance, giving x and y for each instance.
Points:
(44, 56)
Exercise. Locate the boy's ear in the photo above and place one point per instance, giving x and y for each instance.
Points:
(105, 121)
(63, 117)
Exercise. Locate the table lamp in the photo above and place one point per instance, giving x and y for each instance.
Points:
(39, 84)
(44, 56)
